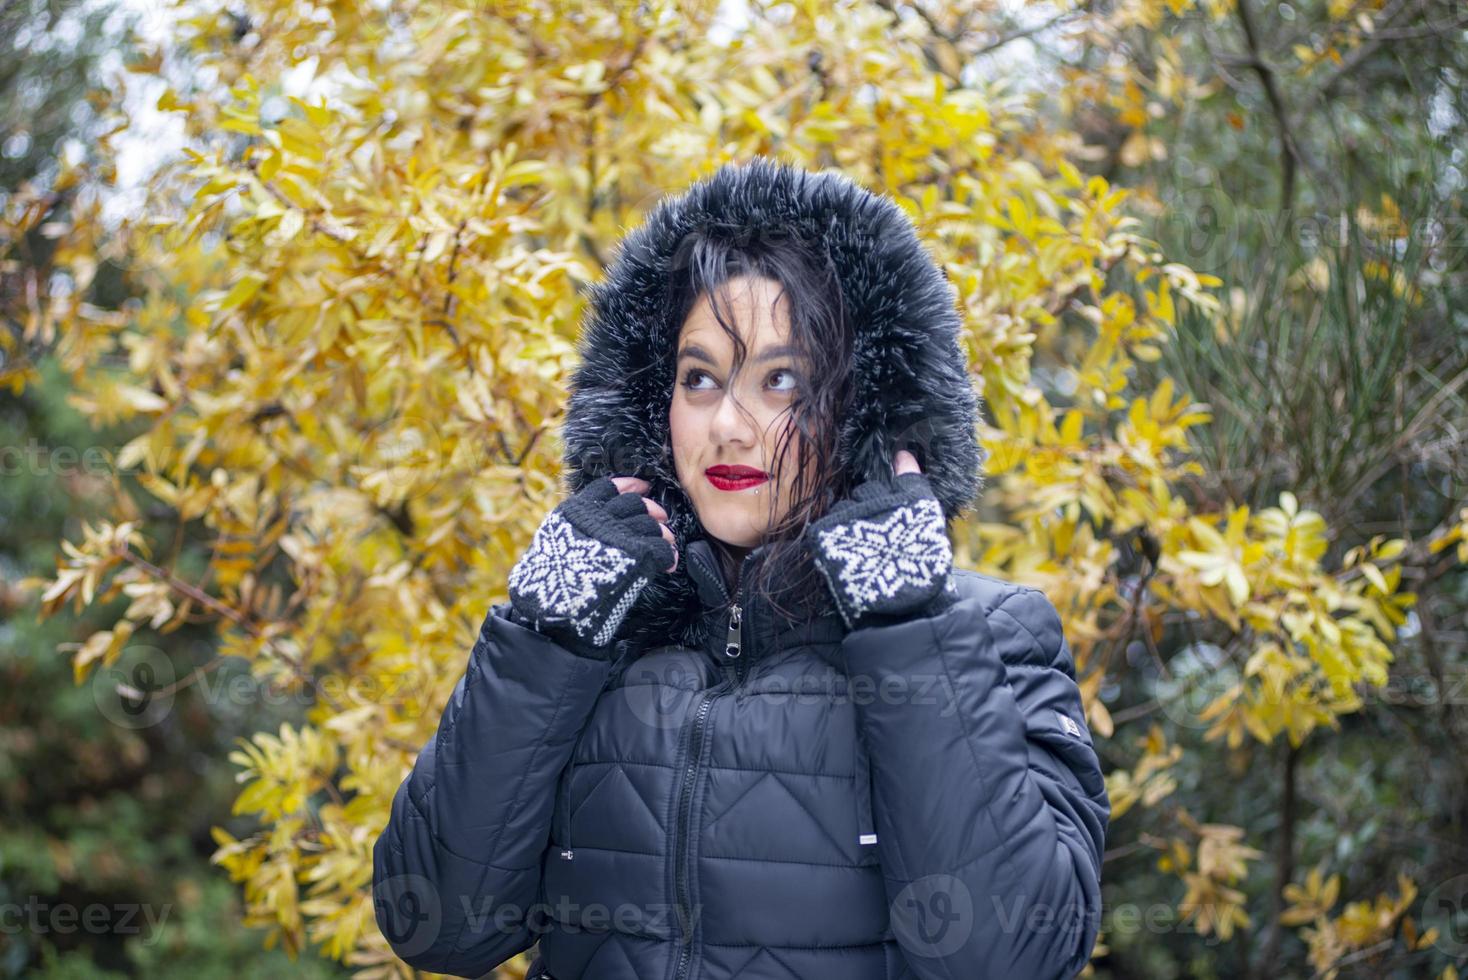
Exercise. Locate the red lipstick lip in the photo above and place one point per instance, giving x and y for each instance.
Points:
(735, 477)
(737, 472)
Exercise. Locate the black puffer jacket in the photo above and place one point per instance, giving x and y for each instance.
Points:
(919, 799)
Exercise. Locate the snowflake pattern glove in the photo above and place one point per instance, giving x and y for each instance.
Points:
(590, 558)
(885, 552)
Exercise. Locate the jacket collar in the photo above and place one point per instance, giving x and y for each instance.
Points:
(763, 629)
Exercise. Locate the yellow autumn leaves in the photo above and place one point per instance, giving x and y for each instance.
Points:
(358, 316)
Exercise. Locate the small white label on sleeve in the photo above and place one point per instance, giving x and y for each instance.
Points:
(868, 838)
(1069, 724)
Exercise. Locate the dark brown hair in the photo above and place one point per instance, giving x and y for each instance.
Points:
(822, 335)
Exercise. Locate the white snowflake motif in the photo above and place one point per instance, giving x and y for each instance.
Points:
(878, 559)
(564, 568)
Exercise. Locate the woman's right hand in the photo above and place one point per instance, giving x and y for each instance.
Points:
(590, 558)
(639, 486)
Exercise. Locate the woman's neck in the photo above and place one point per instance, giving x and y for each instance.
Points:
(733, 565)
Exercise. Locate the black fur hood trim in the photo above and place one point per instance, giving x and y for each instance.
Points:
(910, 374)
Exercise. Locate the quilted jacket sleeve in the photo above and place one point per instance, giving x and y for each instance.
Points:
(456, 873)
(990, 806)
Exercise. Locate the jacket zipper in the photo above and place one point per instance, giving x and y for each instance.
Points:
(733, 652)
(734, 641)
(734, 637)
(684, 844)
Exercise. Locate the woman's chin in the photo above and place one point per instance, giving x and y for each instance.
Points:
(731, 534)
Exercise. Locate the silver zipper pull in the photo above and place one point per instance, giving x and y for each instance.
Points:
(735, 640)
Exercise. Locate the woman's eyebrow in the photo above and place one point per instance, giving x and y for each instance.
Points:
(769, 354)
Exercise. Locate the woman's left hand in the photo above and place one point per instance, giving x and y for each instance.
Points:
(885, 551)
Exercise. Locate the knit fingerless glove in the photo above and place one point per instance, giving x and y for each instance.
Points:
(884, 552)
(590, 558)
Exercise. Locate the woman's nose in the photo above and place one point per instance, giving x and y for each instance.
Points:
(730, 424)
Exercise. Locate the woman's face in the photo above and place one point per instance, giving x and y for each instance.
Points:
(713, 440)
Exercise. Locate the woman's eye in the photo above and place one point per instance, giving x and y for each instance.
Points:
(786, 373)
(690, 379)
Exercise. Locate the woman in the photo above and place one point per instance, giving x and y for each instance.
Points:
(741, 718)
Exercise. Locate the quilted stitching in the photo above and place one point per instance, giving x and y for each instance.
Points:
(818, 820)
(763, 953)
(629, 787)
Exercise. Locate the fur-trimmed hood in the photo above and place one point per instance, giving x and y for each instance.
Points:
(909, 371)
